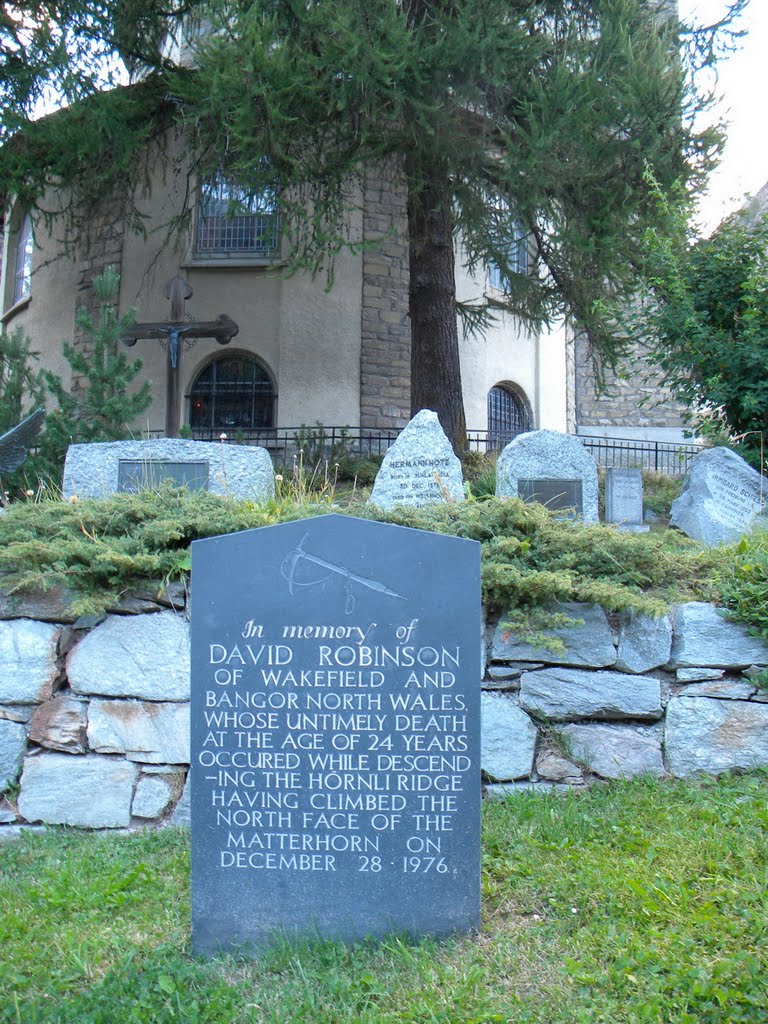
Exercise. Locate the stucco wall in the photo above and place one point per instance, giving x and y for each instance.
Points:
(47, 316)
(338, 356)
(307, 336)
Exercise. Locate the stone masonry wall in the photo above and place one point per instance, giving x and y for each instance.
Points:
(94, 717)
(385, 353)
(619, 404)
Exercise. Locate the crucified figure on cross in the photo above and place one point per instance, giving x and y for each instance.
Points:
(223, 329)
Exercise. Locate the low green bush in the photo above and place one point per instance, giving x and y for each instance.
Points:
(659, 491)
(743, 582)
(101, 549)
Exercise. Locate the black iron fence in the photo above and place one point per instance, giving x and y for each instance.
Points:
(670, 457)
(333, 443)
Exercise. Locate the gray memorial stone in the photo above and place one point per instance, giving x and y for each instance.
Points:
(231, 470)
(624, 497)
(722, 498)
(420, 468)
(335, 733)
(547, 455)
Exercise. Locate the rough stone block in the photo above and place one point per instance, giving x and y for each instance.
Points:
(704, 735)
(554, 768)
(59, 724)
(704, 638)
(723, 690)
(562, 694)
(13, 743)
(587, 645)
(28, 666)
(233, 470)
(644, 642)
(508, 739)
(127, 656)
(615, 751)
(182, 816)
(144, 731)
(723, 497)
(154, 795)
(84, 791)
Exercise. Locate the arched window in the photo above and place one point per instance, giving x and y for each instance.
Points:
(233, 392)
(23, 269)
(508, 415)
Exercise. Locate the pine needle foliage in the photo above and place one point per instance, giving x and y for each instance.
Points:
(101, 549)
(489, 115)
(104, 404)
(21, 383)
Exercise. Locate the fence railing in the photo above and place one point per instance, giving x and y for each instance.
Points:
(333, 443)
(670, 457)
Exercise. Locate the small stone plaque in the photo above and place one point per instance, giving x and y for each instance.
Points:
(624, 496)
(142, 476)
(555, 494)
(335, 734)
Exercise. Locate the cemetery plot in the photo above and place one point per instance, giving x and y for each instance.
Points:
(335, 733)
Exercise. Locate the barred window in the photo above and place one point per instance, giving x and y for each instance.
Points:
(233, 392)
(515, 243)
(508, 415)
(23, 270)
(234, 221)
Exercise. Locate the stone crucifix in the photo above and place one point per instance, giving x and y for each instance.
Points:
(175, 331)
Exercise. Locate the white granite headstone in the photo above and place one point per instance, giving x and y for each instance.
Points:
(535, 459)
(624, 497)
(420, 468)
(723, 497)
(231, 470)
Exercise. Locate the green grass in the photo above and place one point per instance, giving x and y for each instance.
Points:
(634, 902)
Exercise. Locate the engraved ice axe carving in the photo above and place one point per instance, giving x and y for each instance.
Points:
(292, 559)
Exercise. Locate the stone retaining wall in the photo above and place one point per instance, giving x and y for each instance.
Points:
(94, 716)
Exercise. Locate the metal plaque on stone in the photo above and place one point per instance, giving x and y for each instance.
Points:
(335, 734)
(555, 494)
(143, 475)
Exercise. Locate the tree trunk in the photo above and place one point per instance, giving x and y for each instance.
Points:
(435, 368)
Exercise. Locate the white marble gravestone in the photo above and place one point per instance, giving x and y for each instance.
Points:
(420, 468)
(554, 468)
(231, 470)
(723, 497)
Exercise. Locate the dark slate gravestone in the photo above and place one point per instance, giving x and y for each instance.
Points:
(141, 476)
(555, 494)
(335, 733)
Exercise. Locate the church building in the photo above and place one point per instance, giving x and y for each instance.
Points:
(306, 350)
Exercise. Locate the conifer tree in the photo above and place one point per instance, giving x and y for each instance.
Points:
(546, 113)
(102, 406)
(21, 385)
